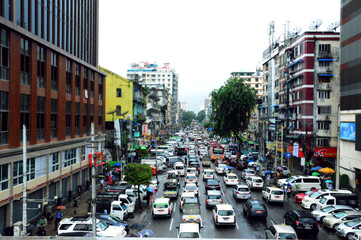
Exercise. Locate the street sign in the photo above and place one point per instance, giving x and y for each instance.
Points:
(117, 164)
(144, 129)
(288, 155)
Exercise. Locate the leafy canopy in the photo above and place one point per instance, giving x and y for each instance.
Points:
(188, 117)
(138, 174)
(201, 115)
(232, 105)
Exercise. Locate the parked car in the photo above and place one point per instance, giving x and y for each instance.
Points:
(310, 201)
(336, 219)
(347, 229)
(224, 214)
(272, 194)
(241, 192)
(281, 231)
(341, 199)
(301, 183)
(320, 214)
(254, 208)
(113, 221)
(302, 222)
(301, 195)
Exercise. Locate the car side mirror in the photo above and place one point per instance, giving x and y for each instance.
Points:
(177, 227)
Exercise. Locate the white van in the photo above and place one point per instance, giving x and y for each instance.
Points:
(119, 209)
(162, 207)
(128, 202)
(179, 167)
(301, 183)
(310, 201)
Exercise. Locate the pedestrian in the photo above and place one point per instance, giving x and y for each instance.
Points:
(48, 213)
(329, 186)
(75, 205)
(42, 221)
(58, 216)
(101, 183)
(268, 179)
(148, 197)
(113, 179)
(151, 198)
(289, 191)
(110, 179)
(41, 230)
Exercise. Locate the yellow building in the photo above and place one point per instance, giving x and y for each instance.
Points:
(118, 97)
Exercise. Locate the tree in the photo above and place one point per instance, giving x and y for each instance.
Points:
(188, 117)
(138, 174)
(232, 105)
(201, 115)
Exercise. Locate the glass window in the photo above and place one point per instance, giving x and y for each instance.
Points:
(40, 133)
(68, 119)
(69, 157)
(54, 118)
(25, 62)
(54, 71)
(68, 77)
(18, 171)
(51, 19)
(41, 67)
(25, 116)
(4, 177)
(18, 12)
(4, 55)
(33, 12)
(4, 118)
(40, 19)
(119, 92)
(45, 2)
(60, 14)
(56, 22)
(26, 15)
(77, 118)
(55, 162)
(7, 8)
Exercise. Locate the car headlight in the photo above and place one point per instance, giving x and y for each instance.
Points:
(305, 200)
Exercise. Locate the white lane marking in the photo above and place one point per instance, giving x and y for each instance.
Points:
(171, 223)
(237, 226)
(175, 203)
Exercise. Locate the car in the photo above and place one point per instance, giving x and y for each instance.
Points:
(208, 174)
(333, 221)
(281, 231)
(233, 161)
(180, 168)
(302, 222)
(213, 198)
(162, 207)
(241, 192)
(220, 168)
(310, 201)
(171, 188)
(172, 174)
(248, 173)
(212, 184)
(301, 183)
(113, 221)
(301, 195)
(273, 194)
(255, 208)
(347, 229)
(320, 214)
(184, 196)
(223, 214)
(191, 178)
(84, 224)
(195, 164)
(241, 165)
(189, 230)
(255, 182)
(154, 184)
(192, 211)
(230, 179)
(191, 187)
(206, 163)
(191, 170)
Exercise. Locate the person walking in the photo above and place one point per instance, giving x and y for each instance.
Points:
(289, 191)
(48, 213)
(75, 205)
(268, 179)
(101, 183)
(58, 216)
(41, 230)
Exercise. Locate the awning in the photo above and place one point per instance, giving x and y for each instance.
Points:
(325, 60)
(325, 75)
(298, 61)
(275, 105)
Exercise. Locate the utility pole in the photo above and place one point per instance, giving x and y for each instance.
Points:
(337, 184)
(276, 157)
(93, 182)
(282, 146)
(25, 217)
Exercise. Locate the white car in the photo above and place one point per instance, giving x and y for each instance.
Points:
(192, 171)
(162, 207)
(255, 182)
(191, 178)
(208, 174)
(179, 167)
(220, 168)
(189, 230)
(223, 214)
(248, 173)
(191, 187)
(84, 224)
(272, 194)
(281, 232)
(230, 179)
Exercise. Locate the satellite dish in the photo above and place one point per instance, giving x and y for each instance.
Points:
(315, 24)
(333, 26)
(295, 32)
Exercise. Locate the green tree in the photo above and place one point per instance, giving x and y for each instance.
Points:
(201, 115)
(232, 105)
(138, 174)
(188, 117)
(143, 153)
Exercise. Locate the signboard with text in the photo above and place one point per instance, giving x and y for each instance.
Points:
(144, 129)
(348, 131)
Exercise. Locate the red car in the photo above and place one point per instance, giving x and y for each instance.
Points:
(300, 196)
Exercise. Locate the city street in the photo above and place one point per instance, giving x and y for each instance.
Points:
(249, 229)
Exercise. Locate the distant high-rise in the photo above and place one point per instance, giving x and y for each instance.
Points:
(184, 106)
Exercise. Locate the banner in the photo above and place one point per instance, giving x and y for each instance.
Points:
(295, 149)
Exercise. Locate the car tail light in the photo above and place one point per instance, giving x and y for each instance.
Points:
(184, 219)
(207, 186)
(221, 200)
(238, 192)
(317, 224)
(207, 201)
(266, 210)
(216, 218)
(250, 210)
(297, 222)
(169, 210)
(249, 192)
(237, 179)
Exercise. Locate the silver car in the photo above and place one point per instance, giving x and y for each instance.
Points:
(347, 229)
(336, 219)
(213, 198)
(320, 214)
(241, 192)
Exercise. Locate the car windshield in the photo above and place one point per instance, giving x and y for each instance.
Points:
(160, 205)
(212, 182)
(191, 187)
(308, 192)
(178, 167)
(290, 179)
(307, 220)
(315, 194)
(277, 192)
(214, 197)
(102, 225)
(225, 212)
(208, 173)
(191, 177)
(339, 215)
(243, 190)
(114, 219)
(171, 188)
(327, 209)
(257, 180)
(188, 235)
(353, 223)
(232, 177)
(250, 172)
(287, 236)
(191, 209)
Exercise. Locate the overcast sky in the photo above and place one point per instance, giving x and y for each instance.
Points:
(203, 40)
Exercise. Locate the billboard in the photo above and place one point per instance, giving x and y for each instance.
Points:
(347, 131)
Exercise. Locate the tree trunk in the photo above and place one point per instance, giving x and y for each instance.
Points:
(139, 201)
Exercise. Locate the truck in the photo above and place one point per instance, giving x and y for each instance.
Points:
(191, 211)
(171, 188)
(153, 162)
(113, 207)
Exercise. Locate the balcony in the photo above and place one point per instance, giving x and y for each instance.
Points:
(324, 86)
(325, 70)
(323, 133)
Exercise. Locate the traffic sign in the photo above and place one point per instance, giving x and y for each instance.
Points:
(117, 164)
(288, 155)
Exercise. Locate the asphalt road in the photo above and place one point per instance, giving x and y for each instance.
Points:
(245, 228)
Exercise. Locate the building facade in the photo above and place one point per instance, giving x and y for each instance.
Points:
(51, 84)
(350, 107)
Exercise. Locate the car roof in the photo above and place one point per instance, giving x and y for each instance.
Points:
(274, 188)
(192, 168)
(302, 213)
(224, 207)
(188, 194)
(284, 228)
(190, 200)
(189, 184)
(161, 200)
(242, 186)
(189, 227)
(232, 174)
(255, 177)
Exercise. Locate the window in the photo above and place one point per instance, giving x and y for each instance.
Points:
(324, 94)
(69, 157)
(298, 124)
(77, 118)
(100, 87)
(54, 71)
(85, 79)
(119, 92)
(55, 162)
(4, 177)
(40, 132)
(323, 125)
(68, 76)
(100, 118)
(92, 86)
(4, 55)
(322, 142)
(324, 110)
(41, 67)
(77, 79)
(91, 113)
(83, 156)
(85, 120)
(18, 171)
(322, 79)
(299, 109)
(324, 63)
(25, 116)
(24, 62)
(118, 110)
(4, 118)
(324, 47)
(68, 119)
(40, 19)
(54, 118)
(256, 85)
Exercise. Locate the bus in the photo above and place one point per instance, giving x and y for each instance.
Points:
(216, 151)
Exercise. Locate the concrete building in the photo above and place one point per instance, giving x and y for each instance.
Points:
(50, 83)
(207, 103)
(184, 106)
(350, 118)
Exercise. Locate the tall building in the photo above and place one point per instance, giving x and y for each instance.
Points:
(184, 106)
(49, 82)
(207, 104)
(350, 118)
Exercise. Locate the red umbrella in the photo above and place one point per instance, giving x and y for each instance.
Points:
(60, 207)
(118, 170)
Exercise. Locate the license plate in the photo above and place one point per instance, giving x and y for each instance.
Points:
(191, 216)
(225, 218)
(308, 227)
(232, 180)
(277, 197)
(160, 211)
(259, 211)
